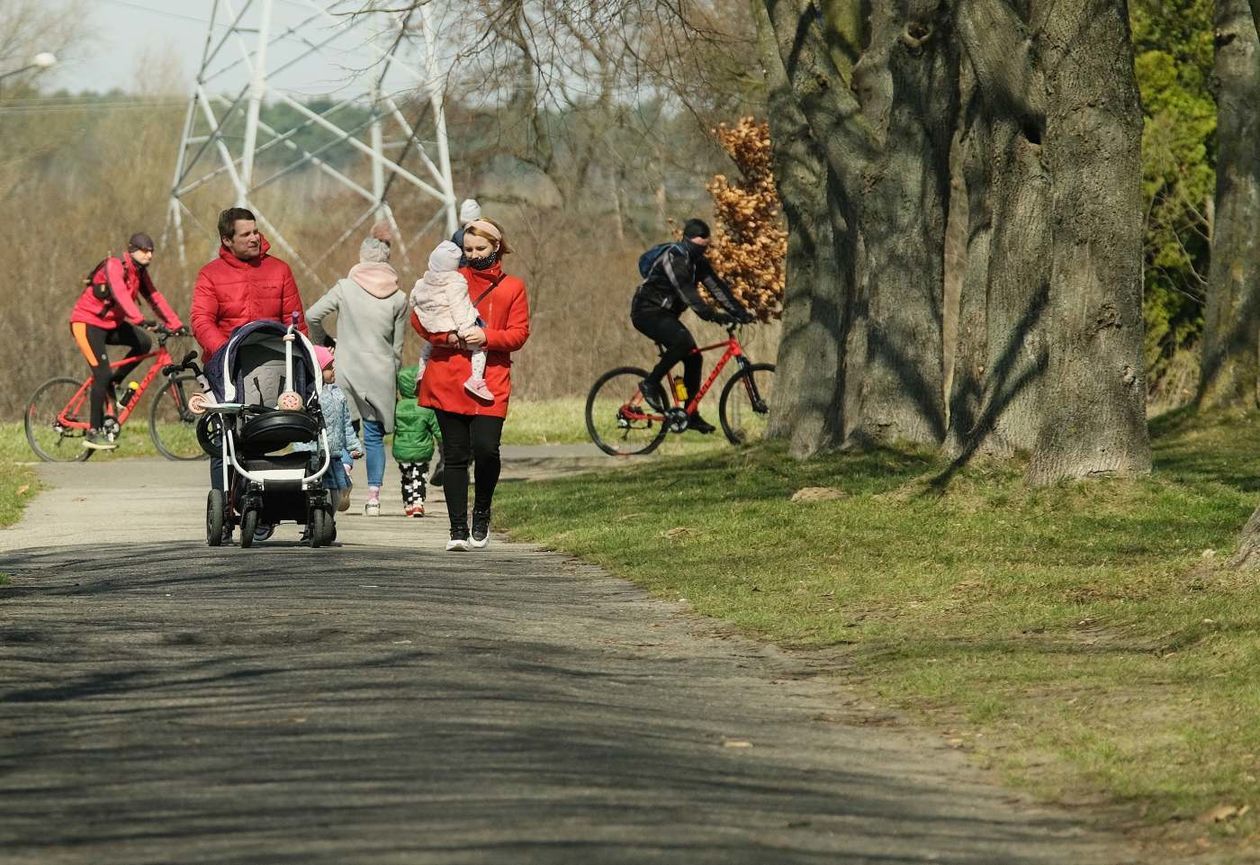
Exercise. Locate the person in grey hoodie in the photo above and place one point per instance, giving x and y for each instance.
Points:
(371, 324)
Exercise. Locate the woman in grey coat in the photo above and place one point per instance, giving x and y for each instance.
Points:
(371, 324)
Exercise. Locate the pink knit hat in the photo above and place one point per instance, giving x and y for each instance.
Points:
(323, 356)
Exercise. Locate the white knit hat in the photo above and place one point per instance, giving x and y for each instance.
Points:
(375, 246)
(469, 210)
(445, 257)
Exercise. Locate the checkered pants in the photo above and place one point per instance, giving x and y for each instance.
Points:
(413, 482)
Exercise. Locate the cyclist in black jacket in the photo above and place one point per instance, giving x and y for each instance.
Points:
(670, 287)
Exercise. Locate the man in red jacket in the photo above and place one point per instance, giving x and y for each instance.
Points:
(108, 313)
(243, 284)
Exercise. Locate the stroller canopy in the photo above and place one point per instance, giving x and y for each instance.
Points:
(253, 365)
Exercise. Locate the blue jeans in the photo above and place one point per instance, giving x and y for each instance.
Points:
(374, 451)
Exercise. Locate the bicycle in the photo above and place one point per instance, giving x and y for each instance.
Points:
(622, 423)
(58, 414)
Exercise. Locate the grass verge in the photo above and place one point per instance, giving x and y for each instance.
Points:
(1085, 639)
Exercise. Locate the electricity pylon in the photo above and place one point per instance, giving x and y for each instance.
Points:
(244, 65)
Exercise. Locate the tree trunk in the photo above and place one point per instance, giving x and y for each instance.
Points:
(809, 399)
(907, 79)
(883, 126)
(1230, 369)
(1094, 420)
(970, 358)
(1064, 377)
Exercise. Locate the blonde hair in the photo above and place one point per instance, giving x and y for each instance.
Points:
(500, 242)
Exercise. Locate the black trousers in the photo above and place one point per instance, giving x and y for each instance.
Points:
(103, 376)
(665, 328)
(469, 439)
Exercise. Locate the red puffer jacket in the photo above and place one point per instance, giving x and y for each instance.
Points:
(112, 296)
(506, 314)
(230, 292)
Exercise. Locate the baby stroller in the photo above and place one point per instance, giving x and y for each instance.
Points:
(267, 400)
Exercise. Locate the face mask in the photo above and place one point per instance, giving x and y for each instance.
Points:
(484, 263)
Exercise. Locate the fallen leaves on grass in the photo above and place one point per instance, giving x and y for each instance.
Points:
(1223, 812)
(677, 532)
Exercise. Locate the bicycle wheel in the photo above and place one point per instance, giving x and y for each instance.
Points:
(745, 407)
(617, 418)
(172, 426)
(57, 417)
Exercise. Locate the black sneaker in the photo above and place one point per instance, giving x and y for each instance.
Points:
(459, 539)
(480, 528)
(653, 394)
(98, 441)
(700, 425)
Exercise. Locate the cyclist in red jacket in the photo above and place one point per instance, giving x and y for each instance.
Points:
(108, 313)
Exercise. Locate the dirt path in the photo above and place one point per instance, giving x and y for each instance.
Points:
(387, 702)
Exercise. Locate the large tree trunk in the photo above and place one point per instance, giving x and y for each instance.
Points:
(970, 358)
(907, 81)
(808, 408)
(1094, 422)
(1064, 377)
(1018, 293)
(1230, 368)
(878, 97)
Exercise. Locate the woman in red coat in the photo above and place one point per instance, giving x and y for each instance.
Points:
(471, 427)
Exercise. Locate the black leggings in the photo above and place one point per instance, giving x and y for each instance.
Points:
(665, 328)
(103, 375)
(469, 438)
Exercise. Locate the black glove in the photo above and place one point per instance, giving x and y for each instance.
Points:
(148, 324)
(182, 330)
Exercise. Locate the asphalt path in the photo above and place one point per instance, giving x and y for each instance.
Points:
(384, 701)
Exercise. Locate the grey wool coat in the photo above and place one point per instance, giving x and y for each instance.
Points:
(371, 326)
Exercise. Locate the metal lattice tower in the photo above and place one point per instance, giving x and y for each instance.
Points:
(244, 65)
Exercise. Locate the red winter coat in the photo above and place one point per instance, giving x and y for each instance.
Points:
(113, 295)
(506, 314)
(230, 292)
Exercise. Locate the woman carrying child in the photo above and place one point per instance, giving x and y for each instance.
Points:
(471, 425)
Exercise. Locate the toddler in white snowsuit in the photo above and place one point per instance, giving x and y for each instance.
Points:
(440, 299)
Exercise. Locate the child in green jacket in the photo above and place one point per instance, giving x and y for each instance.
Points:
(415, 437)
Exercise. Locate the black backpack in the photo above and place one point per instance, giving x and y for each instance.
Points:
(648, 260)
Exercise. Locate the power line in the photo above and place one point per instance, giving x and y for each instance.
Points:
(157, 11)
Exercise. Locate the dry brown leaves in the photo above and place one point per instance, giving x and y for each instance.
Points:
(749, 243)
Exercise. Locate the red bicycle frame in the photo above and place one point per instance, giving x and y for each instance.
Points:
(74, 406)
(733, 350)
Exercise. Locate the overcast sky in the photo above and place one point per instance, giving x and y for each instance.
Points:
(124, 32)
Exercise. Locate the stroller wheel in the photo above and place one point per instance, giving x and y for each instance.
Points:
(322, 528)
(214, 518)
(249, 525)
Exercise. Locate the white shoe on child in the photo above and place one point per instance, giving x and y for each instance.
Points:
(478, 388)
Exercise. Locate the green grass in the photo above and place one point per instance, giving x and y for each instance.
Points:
(17, 486)
(1084, 637)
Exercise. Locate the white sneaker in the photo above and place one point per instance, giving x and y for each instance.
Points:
(372, 508)
(457, 545)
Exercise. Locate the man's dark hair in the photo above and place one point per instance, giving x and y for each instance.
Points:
(227, 221)
(695, 228)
